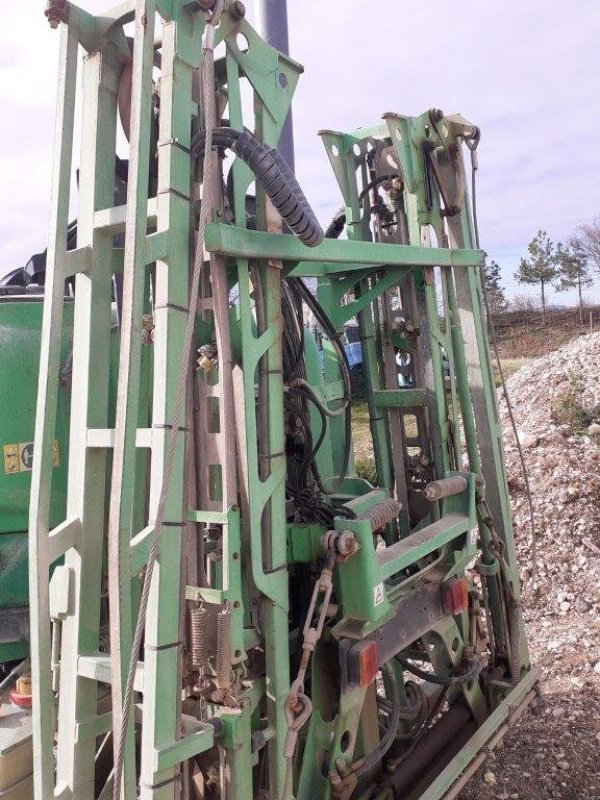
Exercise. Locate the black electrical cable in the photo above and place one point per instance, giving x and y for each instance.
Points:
(376, 755)
(334, 338)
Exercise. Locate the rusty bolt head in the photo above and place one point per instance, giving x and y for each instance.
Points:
(206, 364)
(346, 543)
(238, 10)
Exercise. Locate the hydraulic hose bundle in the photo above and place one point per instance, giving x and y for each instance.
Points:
(274, 175)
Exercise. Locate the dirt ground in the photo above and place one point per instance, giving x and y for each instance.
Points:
(554, 753)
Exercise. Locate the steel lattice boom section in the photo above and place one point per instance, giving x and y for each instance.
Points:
(290, 609)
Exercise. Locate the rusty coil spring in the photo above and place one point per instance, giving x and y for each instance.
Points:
(382, 513)
(199, 622)
(224, 649)
(445, 487)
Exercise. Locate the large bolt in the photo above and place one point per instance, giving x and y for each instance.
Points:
(346, 543)
(238, 10)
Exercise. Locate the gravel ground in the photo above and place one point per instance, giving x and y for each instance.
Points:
(556, 753)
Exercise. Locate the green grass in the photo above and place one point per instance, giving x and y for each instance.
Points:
(568, 409)
(361, 432)
(509, 367)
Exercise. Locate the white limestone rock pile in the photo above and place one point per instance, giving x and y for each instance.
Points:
(556, 404)
(554, 755)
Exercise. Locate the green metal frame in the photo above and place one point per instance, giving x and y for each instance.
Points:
(116, 472)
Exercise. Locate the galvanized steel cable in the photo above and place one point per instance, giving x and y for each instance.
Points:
(207, 73)
(509, 408)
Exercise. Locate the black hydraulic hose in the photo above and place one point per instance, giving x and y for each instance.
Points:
(305, 388)
(309, 451)
(333, 336)
(442, 680)
(336, 226)
(323, 432)
(331, 333)
(276, 178)
(375, 757)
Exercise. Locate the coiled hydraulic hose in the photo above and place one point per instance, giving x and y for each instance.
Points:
(274, 175)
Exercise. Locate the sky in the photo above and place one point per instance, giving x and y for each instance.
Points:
(527, 72)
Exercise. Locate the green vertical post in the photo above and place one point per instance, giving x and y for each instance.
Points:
(75, 753)
(120, 531)
(41, 478)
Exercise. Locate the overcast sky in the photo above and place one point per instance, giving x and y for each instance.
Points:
(527, 72)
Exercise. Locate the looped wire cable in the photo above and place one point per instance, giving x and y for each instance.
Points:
(509, 408)
(207, 74)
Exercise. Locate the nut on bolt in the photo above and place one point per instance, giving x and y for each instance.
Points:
(346, 543)
(238, 10)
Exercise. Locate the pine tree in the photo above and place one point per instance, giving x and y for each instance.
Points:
(494, 290)
(540, 267)
(573, 269)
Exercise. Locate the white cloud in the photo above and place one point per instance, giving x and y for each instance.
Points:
(526, 73)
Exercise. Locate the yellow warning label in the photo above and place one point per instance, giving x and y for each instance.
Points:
(18, 457)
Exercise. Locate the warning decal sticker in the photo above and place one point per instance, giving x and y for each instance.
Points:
(378, 594)
(18, 457)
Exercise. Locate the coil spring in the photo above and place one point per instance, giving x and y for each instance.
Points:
(224, 649)
(199, 622)
(445, 487)
(514, 638)
(382, 513)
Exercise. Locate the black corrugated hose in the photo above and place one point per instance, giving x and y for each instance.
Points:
(276, 178)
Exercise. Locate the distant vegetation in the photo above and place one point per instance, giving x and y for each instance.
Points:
(574, 264)
(524, 331)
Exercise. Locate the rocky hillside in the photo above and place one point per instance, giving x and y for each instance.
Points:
(556, 401)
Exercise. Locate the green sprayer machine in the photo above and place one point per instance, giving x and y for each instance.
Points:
(220, 607)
